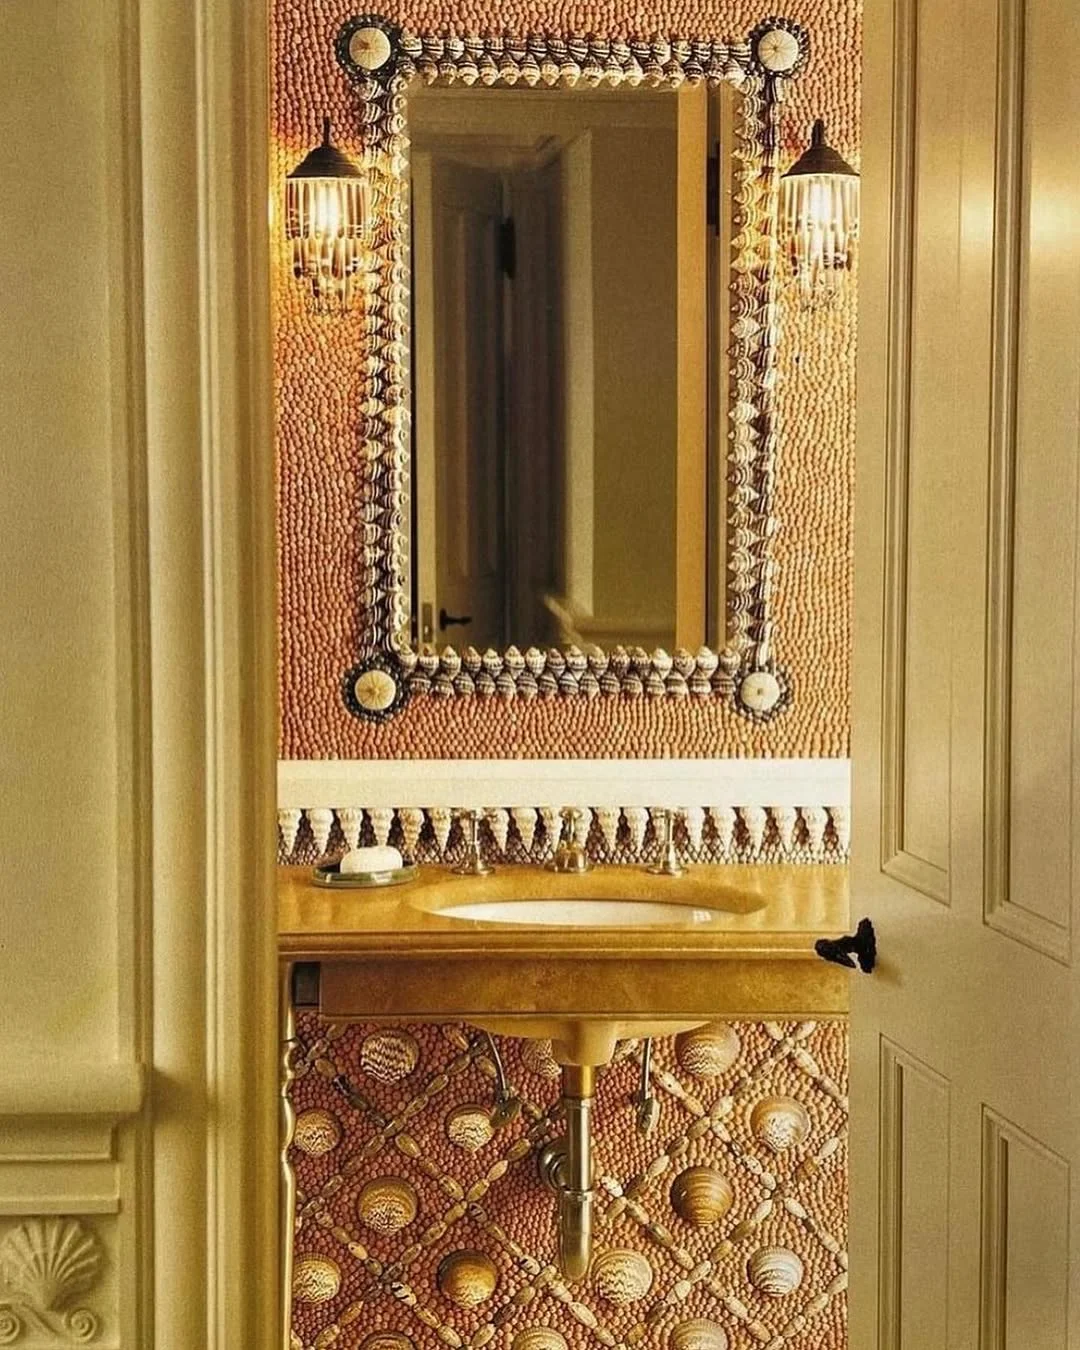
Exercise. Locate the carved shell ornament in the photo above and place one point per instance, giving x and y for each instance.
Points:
(368, 46)
(45, 1265)
(780, 47)
(469, 1126)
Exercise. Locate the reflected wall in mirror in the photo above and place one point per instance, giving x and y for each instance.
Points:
(588, 432)
(561, 365)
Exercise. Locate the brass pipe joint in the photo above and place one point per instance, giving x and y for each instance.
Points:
(566, 1168)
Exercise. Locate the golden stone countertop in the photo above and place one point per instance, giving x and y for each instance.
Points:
(391, 953)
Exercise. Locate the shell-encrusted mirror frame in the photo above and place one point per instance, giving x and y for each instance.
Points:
(381, 60)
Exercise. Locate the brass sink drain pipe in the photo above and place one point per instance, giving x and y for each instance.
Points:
(566, 1168)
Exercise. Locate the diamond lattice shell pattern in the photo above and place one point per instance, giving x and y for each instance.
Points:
(477, 1266)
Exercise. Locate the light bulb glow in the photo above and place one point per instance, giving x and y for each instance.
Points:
(328, 223)
(819, 223)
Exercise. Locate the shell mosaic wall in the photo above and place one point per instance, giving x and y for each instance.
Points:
(421, 1223)
(320, 385)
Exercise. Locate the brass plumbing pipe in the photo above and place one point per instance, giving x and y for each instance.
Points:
(566, 1166)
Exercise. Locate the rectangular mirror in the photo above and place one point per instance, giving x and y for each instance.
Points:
(567, 438)
(564, 344)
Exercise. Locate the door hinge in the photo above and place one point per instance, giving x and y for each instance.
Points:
(712, 191)
(508, 248)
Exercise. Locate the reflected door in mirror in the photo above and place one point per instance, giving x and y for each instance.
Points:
(560, 366)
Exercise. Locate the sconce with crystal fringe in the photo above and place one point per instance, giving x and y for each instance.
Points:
(328, 223)
(819, 219)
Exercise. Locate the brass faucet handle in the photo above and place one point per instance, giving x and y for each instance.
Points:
(570, 856)
(668, 864)
(473, 864)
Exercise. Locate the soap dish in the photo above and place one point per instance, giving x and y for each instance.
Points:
(331, 877)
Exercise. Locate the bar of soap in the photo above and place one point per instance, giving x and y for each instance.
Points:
(376, 858)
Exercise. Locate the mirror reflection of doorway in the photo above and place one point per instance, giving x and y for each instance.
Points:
(552, 450)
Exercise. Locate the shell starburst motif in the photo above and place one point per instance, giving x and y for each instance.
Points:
(708, 1051)
(316, 1132)
(387, 1204)
(49, 1262)
(622, 1276)
(780, 1123)
(316, 1279)
(389, 1056)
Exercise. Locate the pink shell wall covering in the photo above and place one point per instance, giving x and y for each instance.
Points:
(319, 384)
(418, 1220)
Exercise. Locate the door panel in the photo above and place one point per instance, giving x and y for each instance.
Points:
(1025, 1215)
(914, 1201)
(1033, 560)
(964, 1083)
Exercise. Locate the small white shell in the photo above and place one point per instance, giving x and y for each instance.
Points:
(389, 1056)
(316, 1279)
(780, 1122)
(775, 1271)
(699, 1333)
(708, 1051)
(539, 1338)
(316, 1132)
(622, 1276)
(387, 1204)
(469, 1126)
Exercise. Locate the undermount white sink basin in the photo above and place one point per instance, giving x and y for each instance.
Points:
(569, 913)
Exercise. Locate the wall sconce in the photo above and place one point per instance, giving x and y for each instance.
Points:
(819, 219)
(328, 223)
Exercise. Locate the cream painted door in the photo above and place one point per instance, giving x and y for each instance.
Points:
(966, 1040)
(461, 536)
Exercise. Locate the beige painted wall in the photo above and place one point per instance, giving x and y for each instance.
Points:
(136, 682)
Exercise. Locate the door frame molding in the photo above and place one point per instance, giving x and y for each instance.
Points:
(205, 579)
